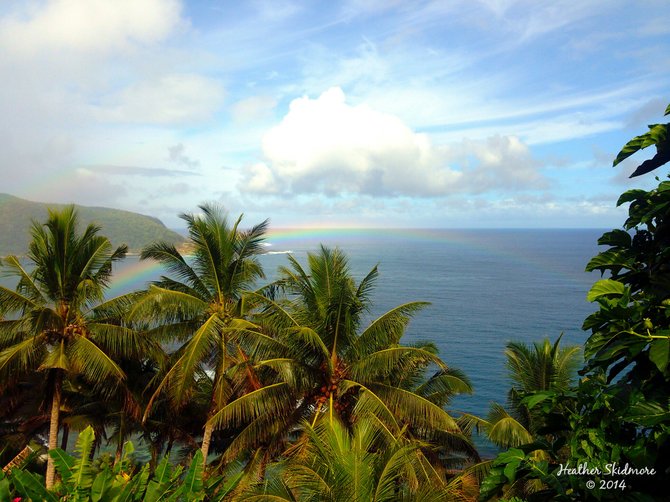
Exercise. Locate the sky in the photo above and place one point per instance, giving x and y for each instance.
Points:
(366, 113)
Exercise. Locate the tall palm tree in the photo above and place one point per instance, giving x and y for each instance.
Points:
(202, 305)
(327, 363)
(51, 325)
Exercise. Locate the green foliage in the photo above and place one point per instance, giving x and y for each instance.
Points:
(333, 462)
(659, 136)
(82, 481)
(136, 230)
(619, 414)
(324, 361)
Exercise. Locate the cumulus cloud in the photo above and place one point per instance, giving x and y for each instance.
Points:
(327, 146)
(498, 162)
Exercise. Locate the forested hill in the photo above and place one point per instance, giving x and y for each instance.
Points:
(122, 227)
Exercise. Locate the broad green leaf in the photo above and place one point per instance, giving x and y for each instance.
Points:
(610, 259)
(492, 484)
(28, 485)
(161, 484)
(510, 470)
(616, 237)
(605, 287)
(64, 464)
(163, 471)
(536, 398)
(511, 455)
(82, 475)
(659, 353)
(4, 489)
(101, 487)
(656, 134)
(193, 480)
(648, 413)
(630, 195)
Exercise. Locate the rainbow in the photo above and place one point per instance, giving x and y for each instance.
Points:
(131, 275)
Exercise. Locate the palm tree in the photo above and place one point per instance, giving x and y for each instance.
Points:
(364, 463)
(51, 325)
(202, 305)
(539, 367)
(326, 363)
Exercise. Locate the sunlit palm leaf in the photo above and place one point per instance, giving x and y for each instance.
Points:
(414, 408)
(388, 328)
(380, 364)
(504, 430)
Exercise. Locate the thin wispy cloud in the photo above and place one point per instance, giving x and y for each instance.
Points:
(428, 113)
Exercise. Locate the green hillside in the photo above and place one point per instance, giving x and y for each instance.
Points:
(122, 227)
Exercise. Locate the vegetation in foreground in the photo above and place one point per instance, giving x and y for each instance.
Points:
(284, 393)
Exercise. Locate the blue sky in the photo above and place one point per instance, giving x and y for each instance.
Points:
(377, 113)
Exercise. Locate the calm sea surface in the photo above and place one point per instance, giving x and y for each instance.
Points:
(486, 287)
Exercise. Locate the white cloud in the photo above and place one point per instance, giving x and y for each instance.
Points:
(88, 25)
(168, 99)
(504, 163)
(261, 179)
(327, 146)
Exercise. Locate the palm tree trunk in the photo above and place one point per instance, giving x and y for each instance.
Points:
(206, 441)
(119, 442)
(53, 429)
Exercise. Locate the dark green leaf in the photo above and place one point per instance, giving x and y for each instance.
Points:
(28, 485)
(659, 353)
(617, 237)
(656, 134)
(648, 413)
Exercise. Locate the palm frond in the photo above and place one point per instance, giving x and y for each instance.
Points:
(388, 328)
(203, 342)
(122, 342)
(370, 403)
(92, 362)
(168, 256)
(21, 357)
(412, 408)
(443, 385)
(26, 284)
(380, 364)
(250, 406)
(504, 430)
(14, 301)
(166, 305)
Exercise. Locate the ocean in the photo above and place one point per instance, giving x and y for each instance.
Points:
(486, 287)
